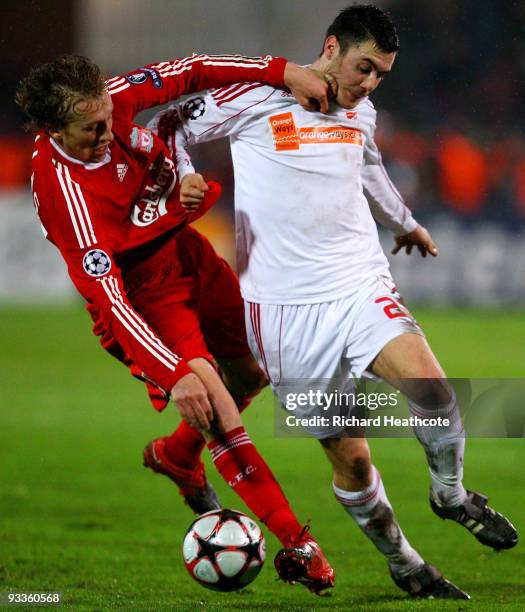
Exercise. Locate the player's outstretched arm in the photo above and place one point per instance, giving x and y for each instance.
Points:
(158, 84)
(420, 238)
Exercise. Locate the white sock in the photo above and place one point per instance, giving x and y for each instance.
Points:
(372, 511)
(445, 448)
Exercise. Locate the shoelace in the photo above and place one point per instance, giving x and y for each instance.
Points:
(306, 529)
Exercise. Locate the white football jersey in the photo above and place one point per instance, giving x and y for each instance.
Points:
(304, 230)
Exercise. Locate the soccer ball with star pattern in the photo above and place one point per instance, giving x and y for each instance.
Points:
(224, 550)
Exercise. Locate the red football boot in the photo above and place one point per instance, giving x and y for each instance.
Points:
(200, 496)
(302, 560)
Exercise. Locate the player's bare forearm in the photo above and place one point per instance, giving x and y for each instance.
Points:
(308, 88)
(420, 238)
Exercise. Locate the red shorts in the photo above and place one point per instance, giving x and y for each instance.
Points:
(189, 296)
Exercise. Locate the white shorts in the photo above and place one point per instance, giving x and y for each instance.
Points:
(326, 346)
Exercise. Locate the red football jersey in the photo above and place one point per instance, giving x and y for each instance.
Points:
(96, 212)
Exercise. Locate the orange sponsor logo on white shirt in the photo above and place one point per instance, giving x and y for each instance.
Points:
(287, 137)
(337, 134)
(284, 132)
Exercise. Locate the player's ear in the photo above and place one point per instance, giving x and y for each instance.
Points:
(331, 47)
(55, 134)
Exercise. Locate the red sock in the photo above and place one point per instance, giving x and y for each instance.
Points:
(184, 446)
(241, 466)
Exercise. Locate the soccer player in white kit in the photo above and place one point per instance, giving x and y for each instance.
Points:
(320, 302)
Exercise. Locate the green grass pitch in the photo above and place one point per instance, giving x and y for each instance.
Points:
(81, 516)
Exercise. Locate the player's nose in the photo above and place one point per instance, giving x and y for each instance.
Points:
(107, 136)
(370, 83)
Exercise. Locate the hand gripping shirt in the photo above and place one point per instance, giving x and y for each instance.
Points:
(304, 186)
(96, 213)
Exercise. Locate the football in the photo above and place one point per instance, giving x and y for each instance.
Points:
(224, 550)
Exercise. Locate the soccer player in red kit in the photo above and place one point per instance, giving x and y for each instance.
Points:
(107, 195)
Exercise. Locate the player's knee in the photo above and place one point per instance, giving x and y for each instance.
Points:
(430, 393)
(351, 460)
(361, 469)
(358, 462)
(356, 473)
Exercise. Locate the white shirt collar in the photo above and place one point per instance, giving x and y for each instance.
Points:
(87, 165)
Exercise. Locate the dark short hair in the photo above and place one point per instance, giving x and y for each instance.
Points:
(50, 91)
(362, 22)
